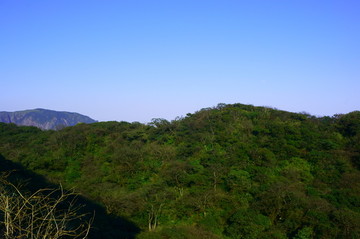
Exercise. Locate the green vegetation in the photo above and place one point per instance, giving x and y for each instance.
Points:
(232, 171)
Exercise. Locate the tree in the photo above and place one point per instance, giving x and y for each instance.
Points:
(46, 213)
(247, 224)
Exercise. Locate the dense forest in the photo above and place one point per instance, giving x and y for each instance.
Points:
(231, 171)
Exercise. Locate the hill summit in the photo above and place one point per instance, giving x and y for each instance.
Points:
(229, 171)
(44, 119)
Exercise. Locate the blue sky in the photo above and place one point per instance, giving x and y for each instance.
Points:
(135, 60)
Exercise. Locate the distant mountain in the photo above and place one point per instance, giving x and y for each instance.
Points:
(44, 119)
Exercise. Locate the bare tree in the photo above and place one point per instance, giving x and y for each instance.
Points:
(46, 213)
(153, 216)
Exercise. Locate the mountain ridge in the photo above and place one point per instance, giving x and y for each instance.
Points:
(229, 171)
(44, 119)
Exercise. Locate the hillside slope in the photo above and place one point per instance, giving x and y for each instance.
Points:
(231, 171)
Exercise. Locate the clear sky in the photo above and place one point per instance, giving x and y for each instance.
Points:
(135, 60)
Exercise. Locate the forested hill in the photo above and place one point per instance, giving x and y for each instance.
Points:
(44, 119)
(232, 171)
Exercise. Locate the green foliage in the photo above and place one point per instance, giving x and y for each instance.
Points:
(247, 224)
(304, 233)
(232, 171)
(72, 171)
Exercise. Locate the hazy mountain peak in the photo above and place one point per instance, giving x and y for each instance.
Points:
(44, 118)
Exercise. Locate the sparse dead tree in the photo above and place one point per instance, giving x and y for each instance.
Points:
(46, 213)
(153, 215)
